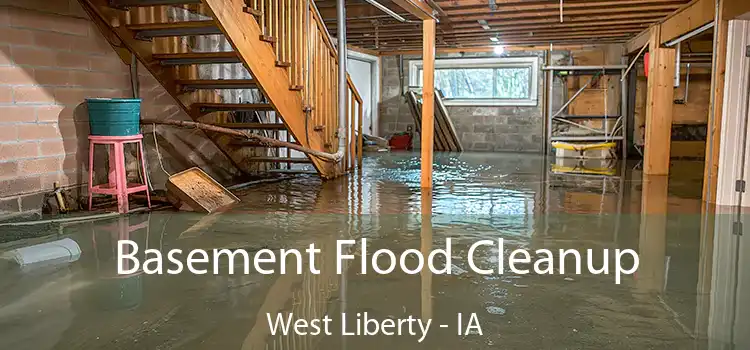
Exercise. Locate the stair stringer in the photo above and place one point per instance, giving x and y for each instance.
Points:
(110, 25)
(259, 57)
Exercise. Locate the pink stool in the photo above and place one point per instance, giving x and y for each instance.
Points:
(118, 183)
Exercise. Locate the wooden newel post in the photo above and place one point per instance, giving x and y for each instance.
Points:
(428, 99)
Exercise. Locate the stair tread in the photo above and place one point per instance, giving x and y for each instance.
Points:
(218, 83)
(222, 54)
(172, 29)
(170, 25)
(146, 3)
(235, 106)
(279, 159)
(254, 126)
(186, 58)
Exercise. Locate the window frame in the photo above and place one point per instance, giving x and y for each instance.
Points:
(531, 62)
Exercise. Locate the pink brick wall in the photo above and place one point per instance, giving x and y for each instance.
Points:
(49, 63)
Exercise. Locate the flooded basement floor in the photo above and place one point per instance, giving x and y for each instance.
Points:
(691, 291)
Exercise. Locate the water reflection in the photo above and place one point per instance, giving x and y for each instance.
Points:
(691, 290)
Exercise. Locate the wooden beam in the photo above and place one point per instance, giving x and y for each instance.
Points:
(652, 238)
(486, 49)
(659, 106)
(557, 41)
(418, 8)
(713, 137)
(592, 8)
(688, 18)
(592, 31)
(533, 27)
(535, 5)
(428, 100)
(639, 41)
(362, 50)
(733, 8)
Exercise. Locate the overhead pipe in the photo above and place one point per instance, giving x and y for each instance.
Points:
(434, 6)
(690, 34)
(437, 8)
(389, 12)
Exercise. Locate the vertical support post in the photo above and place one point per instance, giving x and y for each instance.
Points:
(652, 239)
(659, 105)
(426, 238)
(428, 99)
(716, 113)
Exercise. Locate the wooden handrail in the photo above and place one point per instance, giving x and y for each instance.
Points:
(329, 42)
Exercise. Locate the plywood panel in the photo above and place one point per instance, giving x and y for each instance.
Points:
(589, 102)
(696, 110)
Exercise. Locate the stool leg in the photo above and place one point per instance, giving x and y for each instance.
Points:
(91, 174)
(145, 175)
(121, 178)
(112, 155)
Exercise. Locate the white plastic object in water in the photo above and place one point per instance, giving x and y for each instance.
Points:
(65, 250)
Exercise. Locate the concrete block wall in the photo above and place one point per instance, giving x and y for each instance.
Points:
(480, 128)
(52, 58)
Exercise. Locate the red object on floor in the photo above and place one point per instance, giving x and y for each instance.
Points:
(118, 183)
(646, 57)
(400, 141)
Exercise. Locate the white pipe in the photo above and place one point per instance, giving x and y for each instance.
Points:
(689, 35)
(343, 88)
(389, 12)
(63, 251)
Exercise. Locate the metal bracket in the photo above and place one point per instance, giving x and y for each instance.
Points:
(737, 228)
(747, 51)
(739, 186)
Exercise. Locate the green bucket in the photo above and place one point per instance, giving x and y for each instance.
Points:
(114, 116)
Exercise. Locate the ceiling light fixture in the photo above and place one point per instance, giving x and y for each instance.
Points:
(499, 49)
(494, 40)
(484, 24)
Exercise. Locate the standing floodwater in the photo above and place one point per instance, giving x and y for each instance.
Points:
(690, 291)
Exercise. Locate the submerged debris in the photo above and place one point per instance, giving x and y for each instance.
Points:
(495, 310)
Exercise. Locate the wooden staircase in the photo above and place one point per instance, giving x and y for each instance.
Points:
(288, 57)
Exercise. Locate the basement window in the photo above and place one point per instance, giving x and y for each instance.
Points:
(496, 81)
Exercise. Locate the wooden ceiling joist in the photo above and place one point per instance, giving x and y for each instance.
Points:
(592, 8)
(507, 35)
(513, 22)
